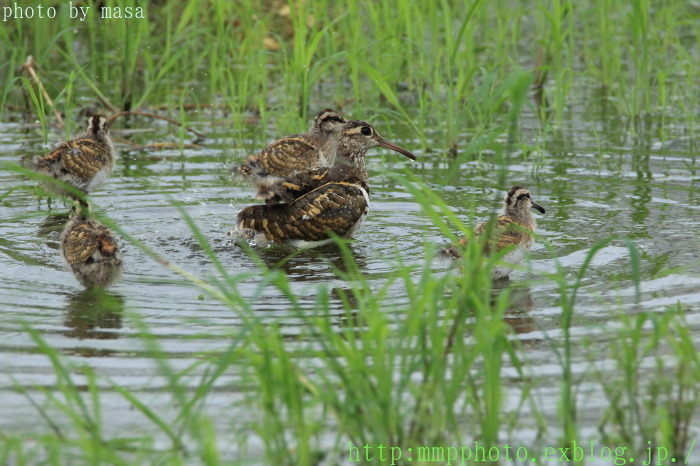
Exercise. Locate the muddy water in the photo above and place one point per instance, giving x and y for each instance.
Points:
(598, 176)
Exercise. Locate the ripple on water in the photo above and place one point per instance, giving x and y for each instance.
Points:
(588, 199)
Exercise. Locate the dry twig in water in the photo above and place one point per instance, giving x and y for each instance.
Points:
(152, 115)
(29, 67)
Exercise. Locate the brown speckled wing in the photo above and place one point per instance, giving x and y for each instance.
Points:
(335, 207)
(506, 233)
(84, 239)
(83, 158)
(297, 185)
(282, 158)
(277, 189)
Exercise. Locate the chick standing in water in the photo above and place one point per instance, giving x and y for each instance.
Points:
(84, 162)
(512, 228)
(90, 249)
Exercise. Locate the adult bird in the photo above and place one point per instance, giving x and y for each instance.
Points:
(322, 201)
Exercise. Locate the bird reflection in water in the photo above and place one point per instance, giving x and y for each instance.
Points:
(517, 315)
(51, 226)
(94, 313)
(312, 265)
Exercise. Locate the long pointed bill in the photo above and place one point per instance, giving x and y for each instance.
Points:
(538, 207)
(384, 143)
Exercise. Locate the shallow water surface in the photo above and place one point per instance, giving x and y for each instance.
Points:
(596, 179)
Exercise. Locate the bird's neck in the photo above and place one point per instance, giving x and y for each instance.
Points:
(348, 165)
(523, 217)
(98, 136)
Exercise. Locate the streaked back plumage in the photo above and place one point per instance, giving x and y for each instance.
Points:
(293, 154)
(84, 162)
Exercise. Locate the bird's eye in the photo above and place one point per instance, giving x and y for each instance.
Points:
(366, 131)
(523, 196)
(334, 118)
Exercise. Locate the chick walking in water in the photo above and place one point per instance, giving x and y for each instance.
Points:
(84, 162)
(512, 230)
(90, 250)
